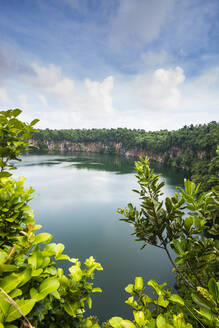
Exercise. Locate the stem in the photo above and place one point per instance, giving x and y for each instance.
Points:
(159, 246)
(8, 299)
(166, 249)
(177, 270)
(11, 253)
(165, 246)
(195, 316)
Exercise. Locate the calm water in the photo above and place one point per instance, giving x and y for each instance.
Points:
(76, 200)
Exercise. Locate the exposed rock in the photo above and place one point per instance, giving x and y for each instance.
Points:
(98, 147)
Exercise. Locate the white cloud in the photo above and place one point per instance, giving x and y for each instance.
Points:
(160, 90)
(45, 77)
(89, 100)
(159, 99)
(200, 96)
(99, 98)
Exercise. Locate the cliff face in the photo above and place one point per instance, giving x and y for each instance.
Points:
(98, 147)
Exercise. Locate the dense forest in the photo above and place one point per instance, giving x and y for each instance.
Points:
(192, 148)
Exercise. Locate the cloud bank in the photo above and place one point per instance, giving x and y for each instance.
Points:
(137, 64)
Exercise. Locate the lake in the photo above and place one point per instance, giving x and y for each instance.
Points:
(76, 200)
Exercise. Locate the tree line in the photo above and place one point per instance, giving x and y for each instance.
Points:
(192, 148)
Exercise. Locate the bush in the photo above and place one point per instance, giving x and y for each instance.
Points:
(31, 283)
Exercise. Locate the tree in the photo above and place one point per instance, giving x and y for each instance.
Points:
(180, 222)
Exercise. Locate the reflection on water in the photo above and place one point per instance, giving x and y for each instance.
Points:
(77, 197)
(110, 163)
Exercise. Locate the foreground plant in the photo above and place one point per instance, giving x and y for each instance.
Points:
(31, 283)
(181, 222)
(166, 310)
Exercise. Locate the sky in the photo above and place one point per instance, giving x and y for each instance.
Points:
(143, 64)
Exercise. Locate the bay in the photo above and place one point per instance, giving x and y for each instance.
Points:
(76, 200)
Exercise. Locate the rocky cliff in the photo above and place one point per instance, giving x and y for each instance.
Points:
(115, 148)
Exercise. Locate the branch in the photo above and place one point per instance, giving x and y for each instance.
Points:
(166, 249)
(177, 270)
(9, 300)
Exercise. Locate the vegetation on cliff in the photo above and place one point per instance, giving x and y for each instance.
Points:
(34, 290)
(192, 148)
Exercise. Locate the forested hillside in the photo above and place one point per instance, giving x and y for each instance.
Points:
(191, 148)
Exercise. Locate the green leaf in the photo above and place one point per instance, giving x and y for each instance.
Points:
(214, 289)
(161, 321)
(36, 259)
(5, 174)
(129, 289)
(4, 306)
(127, 324)
(97, 290)
(43, 238)
(115, 322)
(16, 292)
(34, 293)
(51, 270)
(37, 272)
(168, 204)
(34, 122)
(162, 302)
(199, 223)
(176, 299)
(139, 284)
(177, 247)
(188, 222)
(207, 315)
(76, 273)
(11, 281)
(24, 305)
(139, 317)
(71, 308)
(189, 187)
(62, 257)
(53, 249)
(56, 295)
(7, 268)
(49, 285)
(3, 256)
(202, 302)
(156, 287)
(89, 301)
(16, 112)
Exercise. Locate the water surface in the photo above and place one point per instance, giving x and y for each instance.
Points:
(76, 200)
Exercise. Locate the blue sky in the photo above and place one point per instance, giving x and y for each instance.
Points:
(113, 63)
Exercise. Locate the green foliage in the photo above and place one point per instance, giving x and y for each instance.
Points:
(34, 290)
(168, 309)
(207, 172)
(14, 136)
(191, 148)
(181, 222)
(31, 283)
